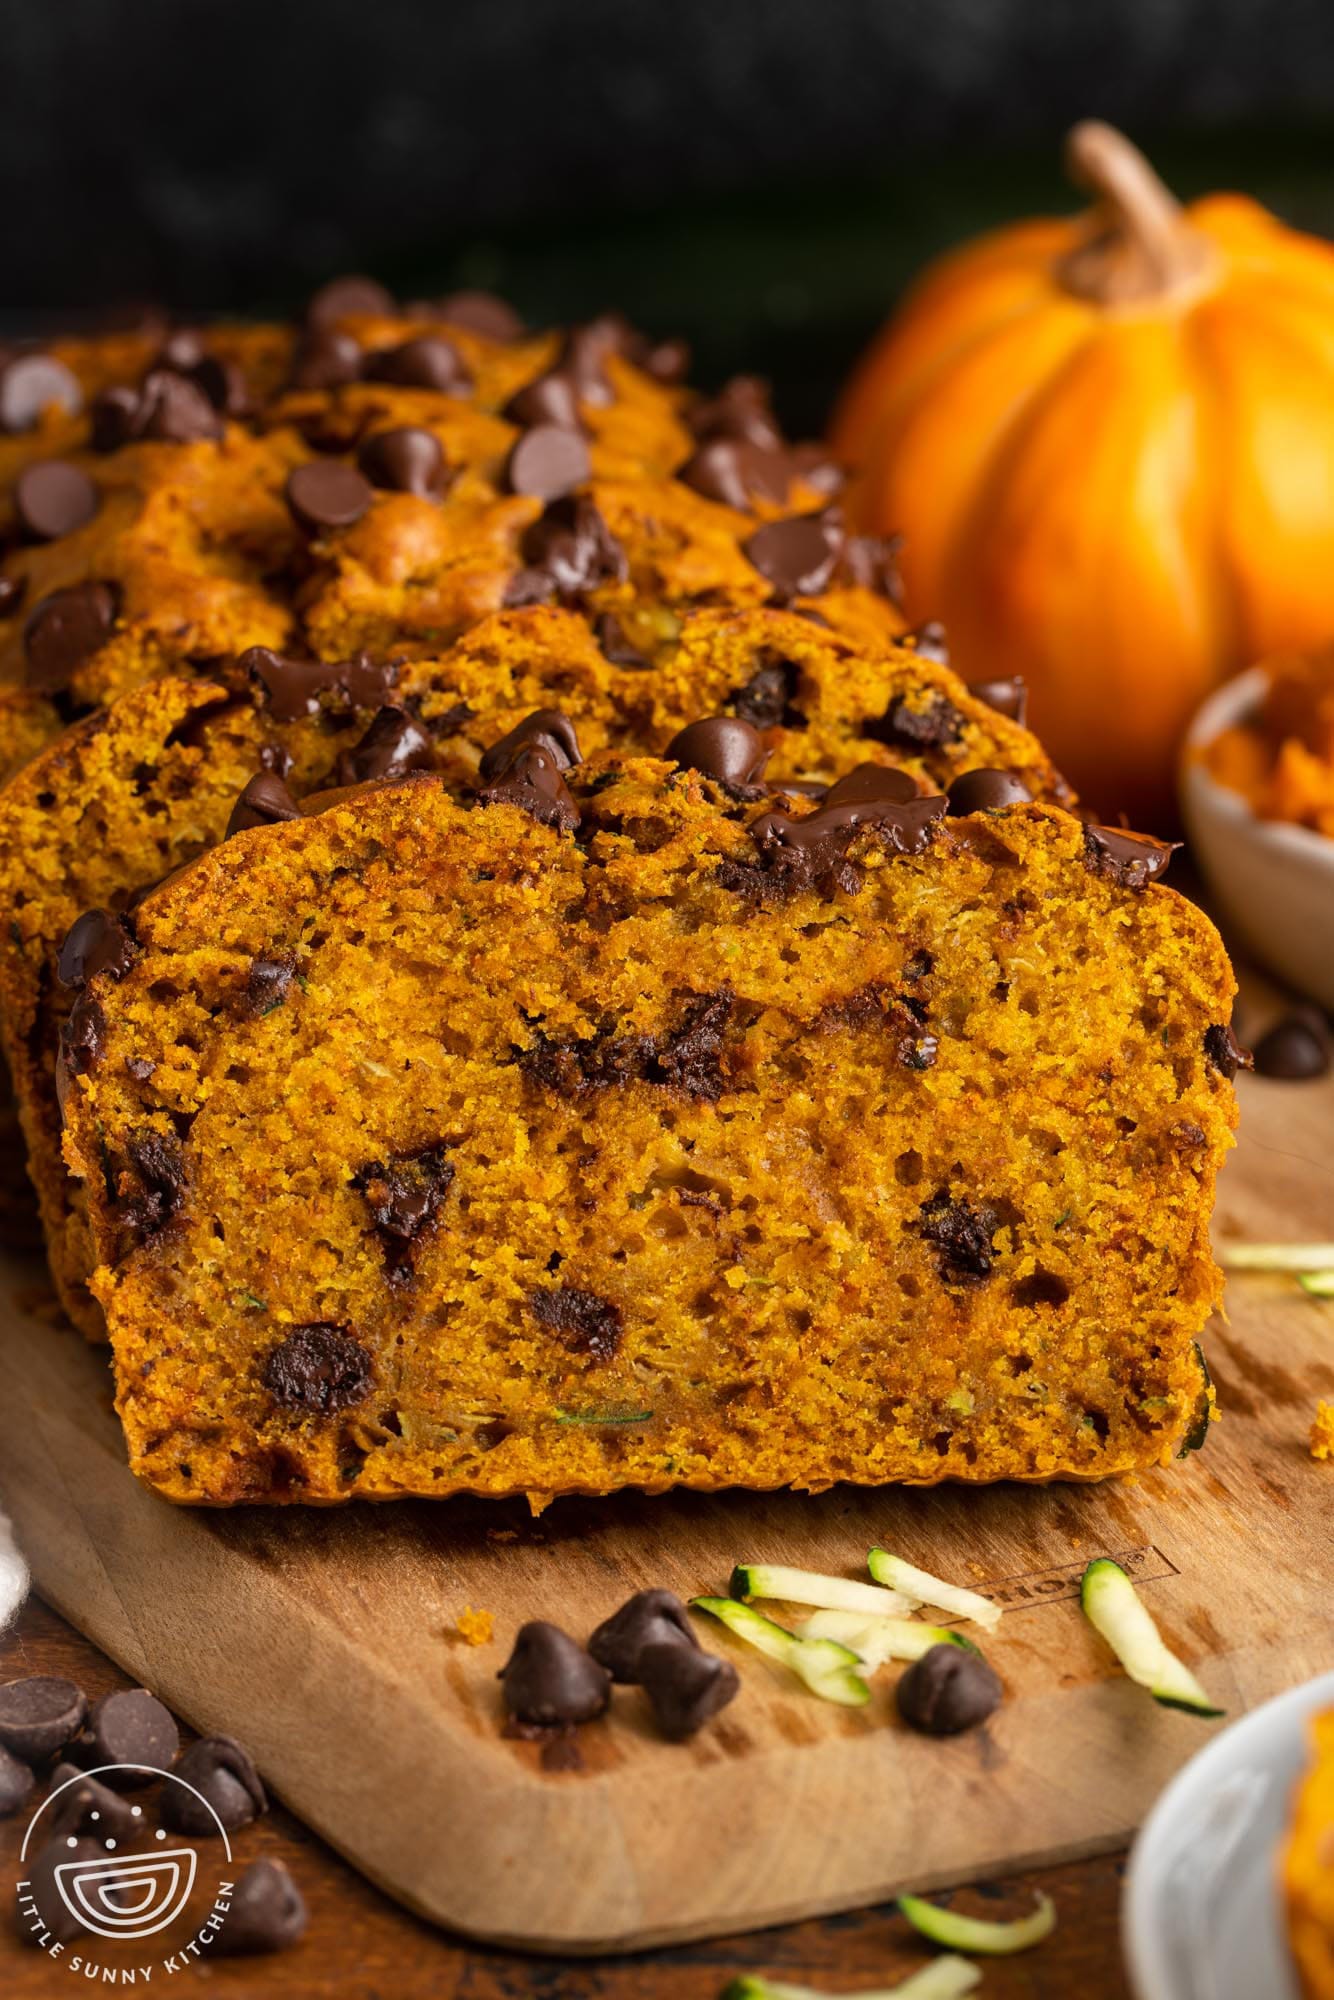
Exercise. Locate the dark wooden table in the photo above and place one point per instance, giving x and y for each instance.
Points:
(361, 1946)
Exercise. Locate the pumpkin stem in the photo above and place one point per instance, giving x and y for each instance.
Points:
(1140, 245)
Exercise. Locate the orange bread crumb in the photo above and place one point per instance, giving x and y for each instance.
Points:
(475, 1628)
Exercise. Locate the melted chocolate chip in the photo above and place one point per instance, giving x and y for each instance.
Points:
(129, 1727)
(318, 1368)
(909, 728)
(222, 1770)
(405, 460)
(424, 362)
(766, 699)
(404, 1199)
(1224, 1051)
(948, 1690)
(1008, 697)
(1129, 860)
(568, 550)
(82, 1041)
(796, 555)
(876, 1005)
(31, 384)
(986, 791)
(267, 984)
(585, 1322)
(686, 1057)
(394, 744)
(649, 1618)
(17, 1783)
(548, 461)
(95, 942)
(552, 398)
(349, 297)
(156, 1172)
(962, 1233)
(52, 498)
(294, 688)
(265, 801)
(64, 630)
(545, 729)
(325, 359)
(869, 785)
(686, 1688)
(549, 1679)
(39, 1715)
(325, 495)
(738, 473)
(267, 1912)
(615, 646)
(798, 854)
(739, 410)
(722, 747)
(1296, 1047)
(533, 782)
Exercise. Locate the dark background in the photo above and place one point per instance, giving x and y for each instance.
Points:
(762, 175)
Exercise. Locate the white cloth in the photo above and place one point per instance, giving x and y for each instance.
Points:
(13, 1574)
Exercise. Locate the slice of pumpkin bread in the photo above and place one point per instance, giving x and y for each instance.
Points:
(603, 1124)
(149, 782)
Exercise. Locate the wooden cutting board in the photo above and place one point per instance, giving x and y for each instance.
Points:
(326, 1639)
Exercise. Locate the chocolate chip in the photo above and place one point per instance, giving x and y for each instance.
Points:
(738, 473)
(326, 359)
(318, 1368)
(129, 1727)
(405, 460)
(1295, 1047)
(267, 984)
(544, 729)
(350, 297)
(268, 1912)
(666, 360)
(615, 646)
(928, 641)
(797, 554)
(39, 1715)
(767, 698)
(870, 562)
(588, 347)
(686, 1689)
(686, 1057)
(569, 549)
(721, 747)
(1008, 697)
(818, 469)
(64, 630)
(949, 1689)
(424, 362)
(294, 688)
(552, 398)
(16, 1783)
(962, 1233)
(222, 1770)
(1129, 860)
(82, 1042)
(477, 312)
(156, 1169)
(547, 462)
(31, 384)
(649, 1618)
(95, 942)
(986, 791)
(739, 410)
(58, 1923)
(11, 594)
(167, 408)
(549, 1679)
(872, 785)
(53, 498)
(265, 801)
(586, 1322)
(394, 744)
(1224, 1051)
(927, 728)
(533, 782)
(404, 1199)
(84, 1805)
(325, 495)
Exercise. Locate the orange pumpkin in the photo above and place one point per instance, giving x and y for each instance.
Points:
(1109, 441)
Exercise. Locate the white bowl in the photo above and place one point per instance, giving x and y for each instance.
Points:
(1272, 884)
(1202, 1917)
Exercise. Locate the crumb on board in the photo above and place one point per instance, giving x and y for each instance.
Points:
(475, 1628)
(1322, 1431)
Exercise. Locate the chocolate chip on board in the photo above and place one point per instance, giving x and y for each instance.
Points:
(318, 1368)
(129, 1727)
(722, 747)
(42, 1915)
(64, 630)
(985, 791)
(31, 384)
(549, 460)
(948, 1690)
(268, 1912)
(52, 498)
(649, 1618)
(1296, 1047)
(16, 1782)
(39, 1715)
(223, 1772)
(265, 801)
(685, 1688)
(325, 495)
(406, 459)
(83, 1804)
(549, 1679)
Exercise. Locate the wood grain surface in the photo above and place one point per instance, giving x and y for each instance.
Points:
(326, 1640)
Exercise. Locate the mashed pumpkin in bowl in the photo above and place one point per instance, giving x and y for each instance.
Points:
(1280, 755)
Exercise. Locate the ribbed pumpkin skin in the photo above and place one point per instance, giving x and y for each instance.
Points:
(1125, 503)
